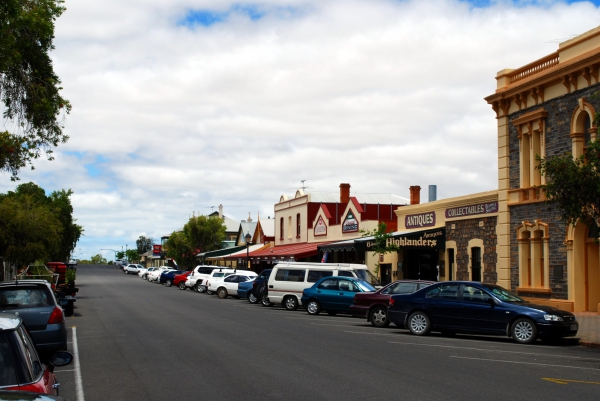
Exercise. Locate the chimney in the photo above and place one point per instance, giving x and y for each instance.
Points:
(220, 211)
(415, 195)
(249, 218)
(344, 193)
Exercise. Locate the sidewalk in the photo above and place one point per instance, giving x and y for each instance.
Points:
(589, 328)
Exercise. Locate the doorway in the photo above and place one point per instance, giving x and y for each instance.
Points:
(420, 265)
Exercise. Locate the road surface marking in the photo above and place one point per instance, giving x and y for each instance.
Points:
(567, 381)
(523, 363)
(78, 381)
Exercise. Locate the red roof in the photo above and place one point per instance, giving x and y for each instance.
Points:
(286, 251)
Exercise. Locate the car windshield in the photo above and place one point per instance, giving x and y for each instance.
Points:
(362, 274)
(365, 286)
(23, 297)
(503, 294)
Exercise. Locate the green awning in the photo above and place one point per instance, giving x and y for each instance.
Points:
(220, 252)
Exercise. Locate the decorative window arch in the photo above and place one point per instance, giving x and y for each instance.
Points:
(582, 130)
(533, 250)
(475, 249)
(531, 128)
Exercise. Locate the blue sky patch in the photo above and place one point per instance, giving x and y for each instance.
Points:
(253, 12)
(487, 3)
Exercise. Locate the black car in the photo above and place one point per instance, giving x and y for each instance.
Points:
(259, 288)
(472, 307)
(34, 302)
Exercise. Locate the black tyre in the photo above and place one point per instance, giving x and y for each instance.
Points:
(290, 302)
(209, 292)
(169, 283)
(419, 324)
(379, 317)
(181, 286)
(222, 293)
(524, 331)
(252, 298)
(264, 301)
(200, 288)
(313, 307)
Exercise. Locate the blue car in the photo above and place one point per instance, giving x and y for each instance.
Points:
(473, 307)
(333, 294)
(244, 288)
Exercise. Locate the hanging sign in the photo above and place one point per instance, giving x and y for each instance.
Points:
(481, 208)
(350, 223)
(426, 219)
(321, 227)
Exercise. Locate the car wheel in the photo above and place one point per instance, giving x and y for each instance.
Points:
(181, 286)
(290, 303)
(379, 317)
(313, 307)
(252, 298)
(200, 288)
(264, 301)
(419, 324)
(169, 283)
(222, 293)
(209, 292)
(524, 331)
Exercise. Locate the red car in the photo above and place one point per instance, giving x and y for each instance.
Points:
(373, 305)
(20, 364)
(180, 280)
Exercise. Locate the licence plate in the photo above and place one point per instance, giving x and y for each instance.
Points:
(573, 327)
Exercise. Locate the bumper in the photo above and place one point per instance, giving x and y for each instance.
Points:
(397, 317)
(53, 339)
(567, 329)
(359, 311)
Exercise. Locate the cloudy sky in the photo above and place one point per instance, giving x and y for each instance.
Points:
(182, 105)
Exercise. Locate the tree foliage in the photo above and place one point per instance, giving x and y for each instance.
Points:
(29, 87)
(144, 244)
(574, 184)
(132, 255)
(36, 226)
(98, 260)
(199, 234)
(380, 244)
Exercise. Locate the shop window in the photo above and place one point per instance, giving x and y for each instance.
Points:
(281, 228)
(476, 263)
(451, 261)
(533, 247)
(298, 225)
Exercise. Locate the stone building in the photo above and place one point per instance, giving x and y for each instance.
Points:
(546, 108)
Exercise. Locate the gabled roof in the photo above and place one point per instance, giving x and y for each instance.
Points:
(268, 227)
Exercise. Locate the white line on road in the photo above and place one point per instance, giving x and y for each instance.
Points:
(78, 382)
(525, 363)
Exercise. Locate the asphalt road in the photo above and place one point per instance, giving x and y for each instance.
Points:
(143, 341)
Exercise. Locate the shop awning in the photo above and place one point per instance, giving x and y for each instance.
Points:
(295, 251)
(240, 252)
(347, 245)
(220, 252)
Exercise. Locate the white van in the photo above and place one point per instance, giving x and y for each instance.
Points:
(289, 279)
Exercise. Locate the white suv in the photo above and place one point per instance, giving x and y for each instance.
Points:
(155, 274)
(200, 272)
(217, 274)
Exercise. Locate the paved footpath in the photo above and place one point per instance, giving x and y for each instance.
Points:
(589, 328)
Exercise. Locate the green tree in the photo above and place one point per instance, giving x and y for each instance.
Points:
(380, 244)
(29, 87)
(120, 255)
(205, 233)
(179, 248)
(144, 244)
(574, 184)
(98, 260)
(30, 231)
(132, 255)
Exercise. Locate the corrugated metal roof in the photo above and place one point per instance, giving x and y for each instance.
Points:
(268, 227)
(384, 199)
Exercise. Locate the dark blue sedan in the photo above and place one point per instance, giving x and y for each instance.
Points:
(333, 294)
(472, 307)
(167, 277)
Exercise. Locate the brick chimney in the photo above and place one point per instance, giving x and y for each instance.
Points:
(344, 193)
(415, 195)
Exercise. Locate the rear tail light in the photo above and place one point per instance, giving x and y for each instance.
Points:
(57, 316)
(254, 284)
(391, 301)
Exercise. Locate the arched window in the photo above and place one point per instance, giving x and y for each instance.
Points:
(281, 228)
(298, 225)
(533, 248)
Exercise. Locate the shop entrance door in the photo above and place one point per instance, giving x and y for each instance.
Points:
(420, 265)
(386, 273)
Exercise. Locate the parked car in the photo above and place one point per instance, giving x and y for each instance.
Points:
(142, 270)
(229, 285)
(180, 279)
(259, 288)
(200, 272)
(6, 395)
(473, 307)
(35, 303)
(244, 288)
(289, 279)
(154, 275)
(217, 274)
(132, 268)
(168, 276)
(144, 274)
(373, 305)
(21, 367)
(333, 294)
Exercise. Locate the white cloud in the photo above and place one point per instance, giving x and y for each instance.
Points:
(169, 120)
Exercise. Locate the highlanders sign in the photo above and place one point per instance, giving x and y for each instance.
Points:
(431, 239)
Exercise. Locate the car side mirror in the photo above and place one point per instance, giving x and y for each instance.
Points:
(61, 358)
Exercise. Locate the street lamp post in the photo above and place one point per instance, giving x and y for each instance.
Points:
(248, 238)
